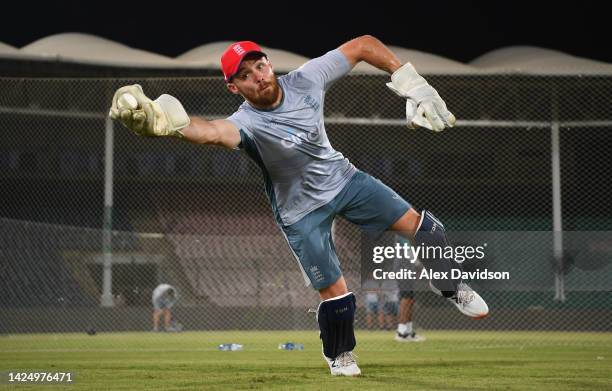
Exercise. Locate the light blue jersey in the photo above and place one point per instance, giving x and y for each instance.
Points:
(302, 170)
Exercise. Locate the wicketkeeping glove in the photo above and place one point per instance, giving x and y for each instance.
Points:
(424, 107)
(164, 116)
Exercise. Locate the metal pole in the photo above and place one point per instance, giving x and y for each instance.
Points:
(107, 296)
(556, 193)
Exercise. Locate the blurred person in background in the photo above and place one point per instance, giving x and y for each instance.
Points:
(164, 297)
(389, 303)
(371, 302)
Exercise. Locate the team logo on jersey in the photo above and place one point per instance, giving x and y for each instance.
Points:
(312, 102)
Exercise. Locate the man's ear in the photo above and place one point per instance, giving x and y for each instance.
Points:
(232, 88)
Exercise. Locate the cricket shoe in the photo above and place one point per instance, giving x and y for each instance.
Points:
(467, 301)
(343, 365)
(409, 337)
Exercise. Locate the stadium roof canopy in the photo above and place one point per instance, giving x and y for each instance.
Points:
(77, 48)
(208, 56)
(528, 59)
(84, 48)
(7, 49)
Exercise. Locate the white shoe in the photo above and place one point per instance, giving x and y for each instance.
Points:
(343, 365)
(467, 301)
(409, 337)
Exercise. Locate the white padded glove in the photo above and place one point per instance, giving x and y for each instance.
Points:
(164, 116)
(424, 107)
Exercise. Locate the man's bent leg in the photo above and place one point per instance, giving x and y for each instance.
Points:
(431, 233)
(376, 208)
(426, 230)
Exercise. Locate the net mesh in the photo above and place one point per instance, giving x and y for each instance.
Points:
(197, 217)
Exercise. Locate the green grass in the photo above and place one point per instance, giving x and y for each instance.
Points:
(190, 361)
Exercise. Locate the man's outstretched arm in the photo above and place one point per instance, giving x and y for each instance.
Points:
(424, 107)
(166, 117)
(220, 132)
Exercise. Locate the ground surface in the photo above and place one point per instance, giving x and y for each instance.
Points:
(191, 361)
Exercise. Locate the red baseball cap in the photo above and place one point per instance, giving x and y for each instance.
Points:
(232, 57)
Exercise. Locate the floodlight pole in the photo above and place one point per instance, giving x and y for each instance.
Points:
(556, 195)
(106, 300)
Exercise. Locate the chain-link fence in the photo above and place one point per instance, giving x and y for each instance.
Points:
(93, 218)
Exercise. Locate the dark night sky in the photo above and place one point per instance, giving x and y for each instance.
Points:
(461, 30)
